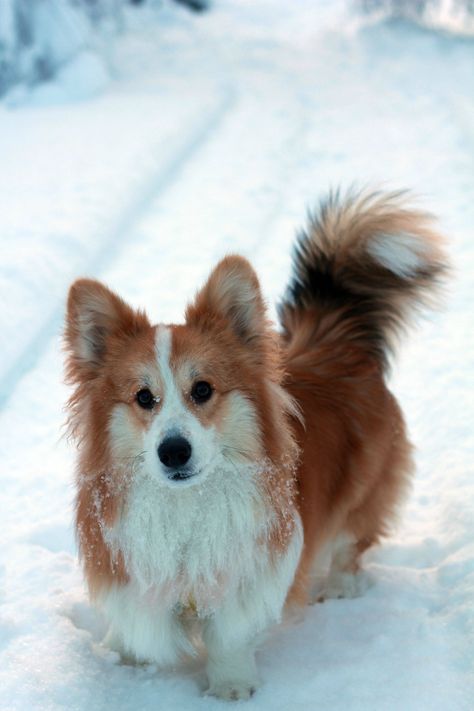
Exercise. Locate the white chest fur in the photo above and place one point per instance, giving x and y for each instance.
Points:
(199, 541)
(204, 545)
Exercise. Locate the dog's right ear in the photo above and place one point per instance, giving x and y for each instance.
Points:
(94, 314)
(232, 293)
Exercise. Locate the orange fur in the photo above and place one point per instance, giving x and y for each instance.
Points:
(356, 459)
(100, 484)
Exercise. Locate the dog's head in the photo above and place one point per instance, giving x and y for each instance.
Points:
(177, 401)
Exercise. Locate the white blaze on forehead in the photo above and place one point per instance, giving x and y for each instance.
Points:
(163, 353)
(173, 410)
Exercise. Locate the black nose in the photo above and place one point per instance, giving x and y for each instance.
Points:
(174, 451)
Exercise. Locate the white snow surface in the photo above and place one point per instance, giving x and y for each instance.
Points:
(214, 135)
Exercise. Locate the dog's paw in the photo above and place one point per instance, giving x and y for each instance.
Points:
(345, 585)
(232, 690)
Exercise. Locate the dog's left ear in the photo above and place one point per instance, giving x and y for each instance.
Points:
(232, 293)
(94, 315)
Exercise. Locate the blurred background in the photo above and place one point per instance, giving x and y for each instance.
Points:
(40, 38)
(139, 143)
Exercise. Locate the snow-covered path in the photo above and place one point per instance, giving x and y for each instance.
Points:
(216, 136)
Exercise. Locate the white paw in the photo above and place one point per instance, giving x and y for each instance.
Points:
(345, 585)
(232, 690)
(114, 644)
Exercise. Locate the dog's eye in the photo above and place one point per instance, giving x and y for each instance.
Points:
(145, 399)
(201, 391)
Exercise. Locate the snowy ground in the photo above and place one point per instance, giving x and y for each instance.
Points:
(214, 135)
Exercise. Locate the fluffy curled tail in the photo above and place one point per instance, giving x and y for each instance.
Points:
(362, 266)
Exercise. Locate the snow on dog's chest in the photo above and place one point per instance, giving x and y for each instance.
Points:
(195, 542)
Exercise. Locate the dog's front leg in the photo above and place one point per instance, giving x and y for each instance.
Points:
(231, 667)
(231, 634)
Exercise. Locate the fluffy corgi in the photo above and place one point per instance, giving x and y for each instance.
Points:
(220, 460)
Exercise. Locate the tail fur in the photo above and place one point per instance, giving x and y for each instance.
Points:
(365, 263)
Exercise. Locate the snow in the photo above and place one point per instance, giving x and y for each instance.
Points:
(214, 134)
(454, 16)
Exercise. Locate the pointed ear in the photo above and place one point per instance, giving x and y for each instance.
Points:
(94, 313)
(232, 293)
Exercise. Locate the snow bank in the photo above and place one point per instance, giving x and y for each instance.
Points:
(69, 41)
(43, 39)
(453, 16)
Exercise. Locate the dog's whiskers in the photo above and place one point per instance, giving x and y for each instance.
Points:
(131, 463)
(243, 452)
(228, 459)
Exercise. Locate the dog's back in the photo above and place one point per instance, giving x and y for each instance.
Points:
(363, 266)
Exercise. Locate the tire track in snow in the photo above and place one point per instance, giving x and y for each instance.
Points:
(164, 179)
(254, 177)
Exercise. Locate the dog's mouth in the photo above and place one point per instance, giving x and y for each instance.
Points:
(182, 474)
